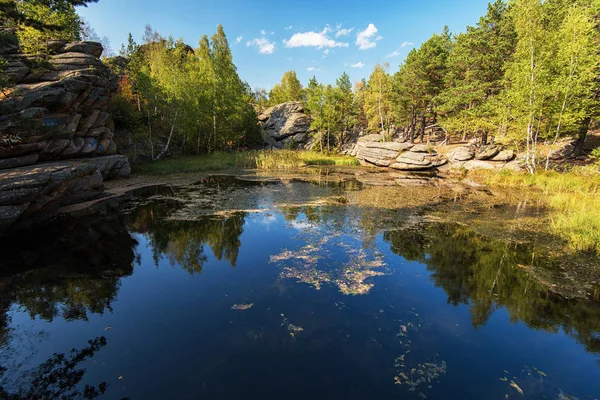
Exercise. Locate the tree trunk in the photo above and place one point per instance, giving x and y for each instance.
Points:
(583, 130)
(484, 137)
(412, 124)
(422, 127)
(166, 148)
(150, 135)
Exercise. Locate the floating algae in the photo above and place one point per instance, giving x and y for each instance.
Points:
(293, 329)
(242, 307)
(310, 265)
(414, 375)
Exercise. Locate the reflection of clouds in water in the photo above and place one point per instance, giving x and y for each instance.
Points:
(267, 219)
(301, 225)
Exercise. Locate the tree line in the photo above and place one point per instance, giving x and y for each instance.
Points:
(174, 98)
(526, 72)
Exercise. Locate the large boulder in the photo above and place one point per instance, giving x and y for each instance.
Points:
(285, 124)
(504, 155)
(461, 154)
(58, 107)
(34, 193)
(371, 150)
(418, 160)
(488, 152)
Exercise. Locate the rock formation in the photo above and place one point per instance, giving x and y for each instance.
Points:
(285, 126)
(404, 156)
(56, 110)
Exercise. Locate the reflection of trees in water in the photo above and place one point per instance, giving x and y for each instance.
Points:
(489, 274)
(183, 242)
(70, 268)
(56, 378)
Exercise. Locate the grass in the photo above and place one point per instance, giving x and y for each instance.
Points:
(264, 160)
(574, 198)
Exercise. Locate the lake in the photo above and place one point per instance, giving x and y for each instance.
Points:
(231, 288)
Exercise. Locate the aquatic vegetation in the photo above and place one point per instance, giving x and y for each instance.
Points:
(574, 197)
(292, 329)
(415, 375)
(350, 276)
(262, 160)
(242, 307)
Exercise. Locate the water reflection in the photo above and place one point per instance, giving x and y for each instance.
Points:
(59, 377)
(489, 274)
(75, 269)
(183, 243)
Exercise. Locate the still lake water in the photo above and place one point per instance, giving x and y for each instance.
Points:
(161, 299)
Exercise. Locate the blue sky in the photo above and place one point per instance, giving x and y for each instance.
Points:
(322, 38)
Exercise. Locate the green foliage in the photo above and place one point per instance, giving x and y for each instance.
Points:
(42, 23)
(190, 100)
(574, 197)
(289, 89)
(266, 160)
(333, 110)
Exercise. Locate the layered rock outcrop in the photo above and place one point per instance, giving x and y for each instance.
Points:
(58, 107)
(285, 126)
(404, 156)
(56, 133)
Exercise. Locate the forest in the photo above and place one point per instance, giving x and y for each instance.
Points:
(526, 73)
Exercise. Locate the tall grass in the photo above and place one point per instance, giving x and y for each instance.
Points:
(574, 198)
(264, 160)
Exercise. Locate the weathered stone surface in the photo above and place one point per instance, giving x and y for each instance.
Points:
(393, 146)
(65, 94)
(488, 152)
(462, 153)
(34, 193)
(504, 155)
(285, 121)
(515, 165)
(420, 148)
(112, 167)
(410, 167)
(371, 138)
(18, 161)
(479, 164)
(93, 48)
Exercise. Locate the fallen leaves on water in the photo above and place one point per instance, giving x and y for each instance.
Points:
(516, 387)
(242, 307)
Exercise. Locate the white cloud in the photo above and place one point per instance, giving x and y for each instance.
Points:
(366, 39)
(358, 65)
(239, 39)
(272, 33)
(407, 44)
(394, 54)
(343, 32)
(263, 32)
(263, 44)
(325, 52)
(288, 28)
(313, 39)
(313, 69)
